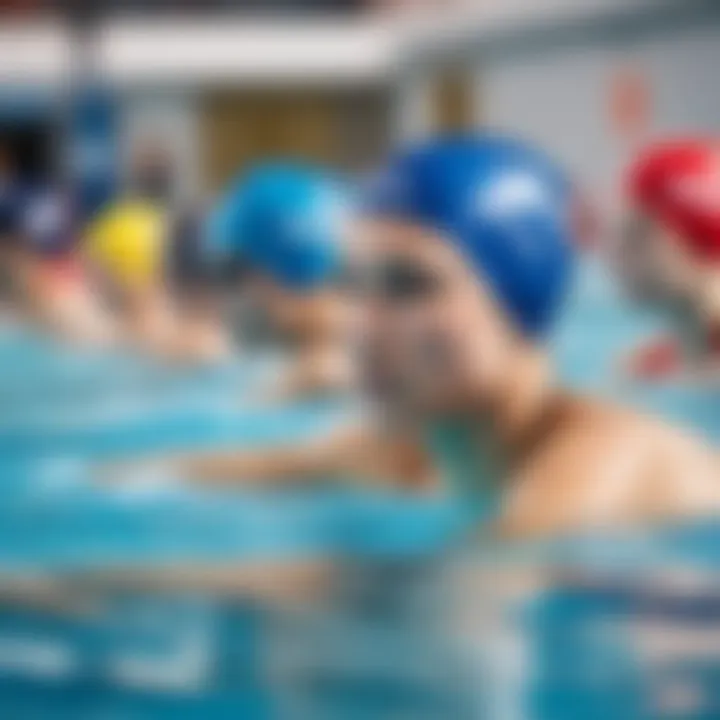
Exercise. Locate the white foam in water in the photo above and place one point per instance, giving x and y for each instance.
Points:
(184, 667)
(150, 480)
(38, 658)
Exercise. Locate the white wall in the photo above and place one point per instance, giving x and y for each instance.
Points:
(413, 107)
(185, 52)
(559, 98)
(192, 52)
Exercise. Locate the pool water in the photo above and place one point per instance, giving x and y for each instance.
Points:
(186, 656)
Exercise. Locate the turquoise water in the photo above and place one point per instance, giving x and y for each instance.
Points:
(599, 329)
(138, 656)
(63, 411)
(55, 430)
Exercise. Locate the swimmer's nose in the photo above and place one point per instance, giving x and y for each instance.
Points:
(378, 376)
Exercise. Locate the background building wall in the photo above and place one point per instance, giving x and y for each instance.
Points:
(171, 119)
(562, 98)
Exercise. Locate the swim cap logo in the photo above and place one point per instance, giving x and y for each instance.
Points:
(510, 194)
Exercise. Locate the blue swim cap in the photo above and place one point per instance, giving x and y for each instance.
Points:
(503, 205)
(287, 221)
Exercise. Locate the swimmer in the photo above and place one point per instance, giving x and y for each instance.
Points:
(465, 256)
(198, 290)
(286, 227)
(128, 247)
(39, 259)
(669, 253)
(284, 230)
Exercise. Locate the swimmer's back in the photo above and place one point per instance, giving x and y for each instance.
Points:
(600, 466)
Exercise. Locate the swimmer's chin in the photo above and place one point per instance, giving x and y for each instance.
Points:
(382, 393)
(383, 388)
(395, 407)
(407, 402)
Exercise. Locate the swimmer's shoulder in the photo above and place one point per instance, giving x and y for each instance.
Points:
(659, 440)
(605, 465)
(677, 473)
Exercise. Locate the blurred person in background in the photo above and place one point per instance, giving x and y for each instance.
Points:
(128, 246)
(284, 228)
(198, 289)
(669, 253)
(43, 272)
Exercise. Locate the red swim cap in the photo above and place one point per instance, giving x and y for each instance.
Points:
(678, 183)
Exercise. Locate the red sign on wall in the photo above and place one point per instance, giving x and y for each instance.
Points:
(630, 103)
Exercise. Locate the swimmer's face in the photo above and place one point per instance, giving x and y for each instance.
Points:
(650, 261)
(301, 315)
(431, 339)
(268, 301)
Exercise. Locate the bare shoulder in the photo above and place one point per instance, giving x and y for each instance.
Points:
(598, 426)
(604, 465)
(660, 445)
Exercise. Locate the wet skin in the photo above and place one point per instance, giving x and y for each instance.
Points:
(441, 354)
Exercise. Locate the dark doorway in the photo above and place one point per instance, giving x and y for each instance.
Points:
(30, 146)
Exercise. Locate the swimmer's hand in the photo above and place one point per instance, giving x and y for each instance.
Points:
(181, 344)
(314, 374)
(318, 372)
(74, 316)
(662, 361)
(657, 361)
(196, 349)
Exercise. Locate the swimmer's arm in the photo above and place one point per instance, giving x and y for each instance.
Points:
(274, 464)
(79, 592)
(357, 453)
(269, 581)
(75, 316)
